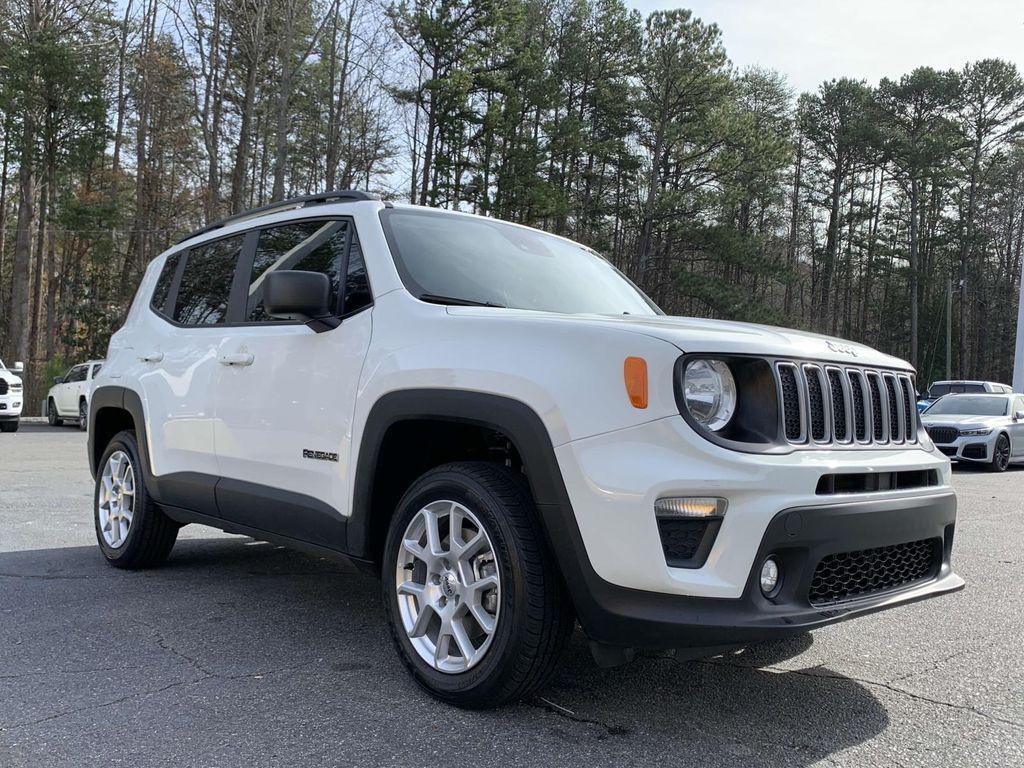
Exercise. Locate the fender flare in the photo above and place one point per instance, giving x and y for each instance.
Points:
(124, 399)
(513, 418)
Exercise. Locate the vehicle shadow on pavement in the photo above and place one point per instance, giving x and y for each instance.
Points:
(242, 653)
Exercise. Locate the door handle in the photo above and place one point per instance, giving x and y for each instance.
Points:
(152, 357)
(238, 359)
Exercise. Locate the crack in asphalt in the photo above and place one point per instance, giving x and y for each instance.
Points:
(86, 671)
(877, 684)
(610, 729)
(155, 691)
(934, 665)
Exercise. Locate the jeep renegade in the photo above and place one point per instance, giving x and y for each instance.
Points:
(514, 438)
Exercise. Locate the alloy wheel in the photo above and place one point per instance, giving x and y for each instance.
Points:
(1002, 452)
(449, 586)
(117, 499)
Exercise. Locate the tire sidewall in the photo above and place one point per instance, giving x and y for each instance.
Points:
(83, 416)
(123, 441)
(51, 413)
(995, 454)
(490, 672)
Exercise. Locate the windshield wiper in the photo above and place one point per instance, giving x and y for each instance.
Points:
(434, 298)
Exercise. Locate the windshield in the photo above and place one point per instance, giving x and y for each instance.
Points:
(971, 405)
(464, 260)
(938, 390)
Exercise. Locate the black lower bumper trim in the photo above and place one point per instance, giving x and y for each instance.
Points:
(798, 539)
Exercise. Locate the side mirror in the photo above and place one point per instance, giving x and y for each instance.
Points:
(298, 295)
(19, 367)
(1018, 415)
(58, 379)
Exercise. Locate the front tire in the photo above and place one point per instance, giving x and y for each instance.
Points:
(83, 415)
(51, 414)
(132, 531)
(1000, 454)
(473, 598)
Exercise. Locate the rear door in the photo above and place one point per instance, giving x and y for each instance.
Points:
(179, 369)
(69, 391)
(285, 394)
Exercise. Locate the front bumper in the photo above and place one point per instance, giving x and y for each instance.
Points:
(799, 538)
(10, 406)
(977, 448)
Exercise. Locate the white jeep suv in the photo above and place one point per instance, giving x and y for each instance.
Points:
(11, 397)
(513, 437)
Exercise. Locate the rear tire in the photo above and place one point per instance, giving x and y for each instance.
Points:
(9, 426)
(51, 414)
(132, 531)
(1000, 454)
(528, 610)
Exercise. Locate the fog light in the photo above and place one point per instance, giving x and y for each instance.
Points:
(769, 577)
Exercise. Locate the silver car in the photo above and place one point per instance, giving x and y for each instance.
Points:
(983, 429)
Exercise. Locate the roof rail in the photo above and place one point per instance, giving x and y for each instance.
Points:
(321, 198)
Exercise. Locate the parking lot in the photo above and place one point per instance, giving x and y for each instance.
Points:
(241, 653)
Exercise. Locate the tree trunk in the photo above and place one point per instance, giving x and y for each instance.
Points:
(913, 263)
(20, 266)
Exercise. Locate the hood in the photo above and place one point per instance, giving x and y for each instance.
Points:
(9, 376)
(691, 334)
(959, 420)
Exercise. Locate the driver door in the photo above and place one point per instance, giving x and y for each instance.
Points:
(1016, 428)
(285, 394)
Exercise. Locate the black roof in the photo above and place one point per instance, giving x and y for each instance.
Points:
(322, 198)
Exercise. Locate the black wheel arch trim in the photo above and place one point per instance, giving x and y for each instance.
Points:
(513, 418)
(123, 399)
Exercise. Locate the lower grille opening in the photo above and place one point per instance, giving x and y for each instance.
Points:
(849, 575)
(949, 450)
(686, 541)
(975, 451)
(867, 482)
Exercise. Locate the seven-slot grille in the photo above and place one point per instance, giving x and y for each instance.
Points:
(826, 404)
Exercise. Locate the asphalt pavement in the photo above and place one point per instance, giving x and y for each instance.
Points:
(238, 653)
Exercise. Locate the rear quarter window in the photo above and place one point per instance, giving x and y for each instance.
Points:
(163, 283)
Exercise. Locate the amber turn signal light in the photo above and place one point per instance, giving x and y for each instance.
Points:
(634, 372)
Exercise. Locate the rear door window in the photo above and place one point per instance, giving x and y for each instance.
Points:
(205, 287)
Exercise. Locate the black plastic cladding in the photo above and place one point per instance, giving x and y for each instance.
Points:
(848, 575)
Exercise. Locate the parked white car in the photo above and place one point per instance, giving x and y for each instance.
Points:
(514, 438)
(11, 397)
(70, 394)
(984, 428)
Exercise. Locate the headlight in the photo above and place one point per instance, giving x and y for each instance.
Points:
(975, 432)
(709, 392)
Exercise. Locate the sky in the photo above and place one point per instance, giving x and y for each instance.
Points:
(815, 40)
